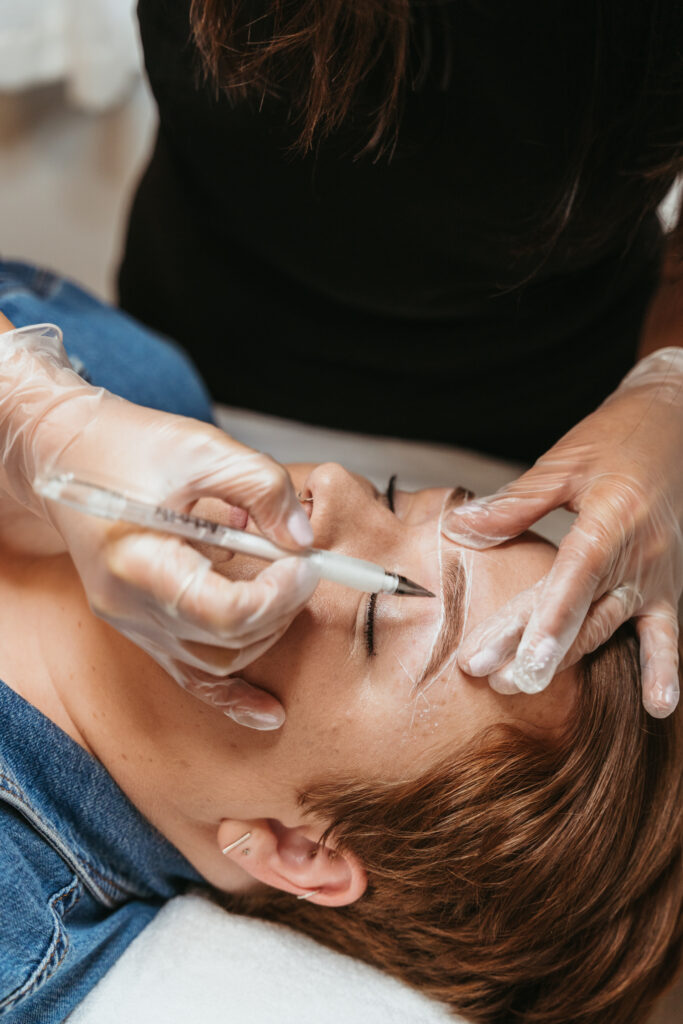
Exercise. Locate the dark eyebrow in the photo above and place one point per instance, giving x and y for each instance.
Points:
(454, 593)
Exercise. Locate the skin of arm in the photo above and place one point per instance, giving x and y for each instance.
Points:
(663, 325)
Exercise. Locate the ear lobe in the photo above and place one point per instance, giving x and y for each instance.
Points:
(289, 858)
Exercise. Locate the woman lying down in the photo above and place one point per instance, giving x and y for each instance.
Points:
(516, 857)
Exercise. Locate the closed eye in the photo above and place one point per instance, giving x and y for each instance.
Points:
(389, 493)
(372, 600)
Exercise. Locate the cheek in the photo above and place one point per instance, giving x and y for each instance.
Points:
(304, 668)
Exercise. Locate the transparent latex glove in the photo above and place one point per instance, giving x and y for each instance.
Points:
(157, 590)
(621, 471)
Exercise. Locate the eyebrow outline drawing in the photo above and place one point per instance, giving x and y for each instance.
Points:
(454, 590)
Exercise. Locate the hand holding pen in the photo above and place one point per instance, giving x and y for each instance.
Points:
(154, 588)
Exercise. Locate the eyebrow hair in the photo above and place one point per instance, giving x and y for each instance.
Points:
(454, 591)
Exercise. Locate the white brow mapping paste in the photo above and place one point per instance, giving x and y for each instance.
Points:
(467, 569)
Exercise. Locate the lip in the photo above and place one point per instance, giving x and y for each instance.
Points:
(237, 518)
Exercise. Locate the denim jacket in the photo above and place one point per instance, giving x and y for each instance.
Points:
(82, 871)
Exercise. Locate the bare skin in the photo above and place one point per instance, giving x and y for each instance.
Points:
(204, 781)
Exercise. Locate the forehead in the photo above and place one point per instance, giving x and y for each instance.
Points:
(449, 706)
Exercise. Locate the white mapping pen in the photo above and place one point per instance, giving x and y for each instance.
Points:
(99, 501)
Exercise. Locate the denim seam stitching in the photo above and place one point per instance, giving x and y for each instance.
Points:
(58, 947)
(93, 879)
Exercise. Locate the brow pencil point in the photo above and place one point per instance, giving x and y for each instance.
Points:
(408, 588)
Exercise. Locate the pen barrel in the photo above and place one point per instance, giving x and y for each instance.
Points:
(352, 572)
(99, 501)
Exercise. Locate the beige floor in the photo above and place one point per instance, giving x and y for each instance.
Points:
(65, 184)
(66, 179)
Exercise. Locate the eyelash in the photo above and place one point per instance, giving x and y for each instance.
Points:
(369, 630)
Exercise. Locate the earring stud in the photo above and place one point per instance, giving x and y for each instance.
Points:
(242, 839)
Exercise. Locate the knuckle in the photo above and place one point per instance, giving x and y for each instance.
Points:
(588, 553)
(244, 607)
(275, 475)
(230, 618)
(218, 668)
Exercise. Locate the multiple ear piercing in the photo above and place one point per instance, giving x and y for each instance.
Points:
(245, 853)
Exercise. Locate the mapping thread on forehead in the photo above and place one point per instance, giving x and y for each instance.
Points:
(439, 555)
(411, 678)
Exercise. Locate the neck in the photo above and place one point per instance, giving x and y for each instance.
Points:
(169, 753)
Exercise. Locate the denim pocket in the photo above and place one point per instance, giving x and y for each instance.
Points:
(26, 965)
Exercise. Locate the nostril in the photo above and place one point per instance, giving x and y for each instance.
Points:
(306, 499)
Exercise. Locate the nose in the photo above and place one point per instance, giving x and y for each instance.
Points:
(340, 504)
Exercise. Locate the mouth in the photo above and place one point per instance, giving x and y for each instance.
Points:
(236, 518)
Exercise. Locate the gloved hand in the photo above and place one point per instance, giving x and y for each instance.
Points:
(157, 590)
(621, 470)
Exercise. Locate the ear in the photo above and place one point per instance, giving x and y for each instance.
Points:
(289, 858)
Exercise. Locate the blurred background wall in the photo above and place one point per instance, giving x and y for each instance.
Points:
(76, 125)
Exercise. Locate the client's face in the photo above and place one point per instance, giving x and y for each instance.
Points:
(370, 685)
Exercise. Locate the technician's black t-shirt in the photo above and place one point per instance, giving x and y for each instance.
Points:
(385, 297)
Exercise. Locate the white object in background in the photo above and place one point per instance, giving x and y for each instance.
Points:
(197, 964)
(92, 45)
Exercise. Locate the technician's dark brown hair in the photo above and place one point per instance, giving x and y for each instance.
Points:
(349, 62)
(320, 53)
(524, 880)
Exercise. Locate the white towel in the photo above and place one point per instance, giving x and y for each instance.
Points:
(92, 45)
(197, 964)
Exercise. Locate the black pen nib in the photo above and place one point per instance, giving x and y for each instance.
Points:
(410, 589)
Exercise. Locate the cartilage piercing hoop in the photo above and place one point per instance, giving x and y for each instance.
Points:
(242, 839)
(307, 895)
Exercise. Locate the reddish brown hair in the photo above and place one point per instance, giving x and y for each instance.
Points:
(523, 880)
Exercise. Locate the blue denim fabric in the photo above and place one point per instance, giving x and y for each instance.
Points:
(105, 346)
(82, 871)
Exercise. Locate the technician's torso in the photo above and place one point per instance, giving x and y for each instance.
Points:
(346, 291)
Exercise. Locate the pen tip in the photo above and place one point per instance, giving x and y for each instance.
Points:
(411, 589)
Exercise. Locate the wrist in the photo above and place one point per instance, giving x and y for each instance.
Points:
(41, 409)
(661, 369)
(43, 341)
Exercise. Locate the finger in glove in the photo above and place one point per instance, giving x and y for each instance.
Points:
(246, 705)
(235, 612)
(657, 629)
